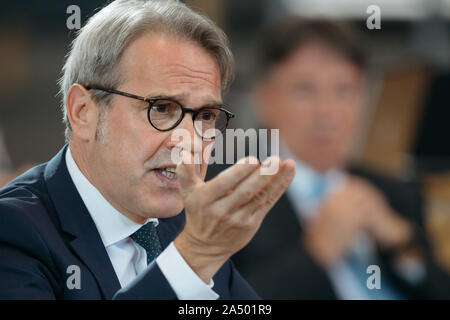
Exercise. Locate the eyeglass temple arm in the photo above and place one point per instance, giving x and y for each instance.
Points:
(125, 94)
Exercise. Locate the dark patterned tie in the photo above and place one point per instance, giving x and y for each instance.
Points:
(148, 239)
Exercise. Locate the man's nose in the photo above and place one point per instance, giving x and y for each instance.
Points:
(326, 104)
(184, 135)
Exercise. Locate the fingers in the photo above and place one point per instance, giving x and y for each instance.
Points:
(187, 174)
(253, 184)
(229, 179)
(272, 192)
(243, 185)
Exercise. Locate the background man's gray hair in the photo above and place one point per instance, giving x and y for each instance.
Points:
(94, 58)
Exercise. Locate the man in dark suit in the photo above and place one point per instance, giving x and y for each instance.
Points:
(142, 99)
(337, 232)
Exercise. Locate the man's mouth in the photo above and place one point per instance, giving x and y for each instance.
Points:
(169, 173)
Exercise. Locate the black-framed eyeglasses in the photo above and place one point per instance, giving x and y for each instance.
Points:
(165, 114)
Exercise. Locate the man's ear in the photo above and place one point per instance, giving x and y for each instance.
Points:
(82, 112)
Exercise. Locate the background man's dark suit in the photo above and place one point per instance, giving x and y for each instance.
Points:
(278, 267)
(45, 228)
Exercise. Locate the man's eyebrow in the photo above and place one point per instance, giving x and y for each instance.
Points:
(210, 102)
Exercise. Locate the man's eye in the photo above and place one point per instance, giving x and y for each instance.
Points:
(302, 89)
(345, 91)
(161, 108)
(208, 116)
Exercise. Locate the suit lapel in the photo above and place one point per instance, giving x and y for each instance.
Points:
(90, 249)
(76, 220)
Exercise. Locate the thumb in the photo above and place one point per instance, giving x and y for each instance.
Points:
(186, 173)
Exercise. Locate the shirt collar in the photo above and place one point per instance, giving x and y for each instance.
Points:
(307, 181)
(111, 224)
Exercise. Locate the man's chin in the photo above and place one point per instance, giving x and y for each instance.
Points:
(165, 210)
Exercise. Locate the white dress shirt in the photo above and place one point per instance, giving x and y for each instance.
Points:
(127, 257)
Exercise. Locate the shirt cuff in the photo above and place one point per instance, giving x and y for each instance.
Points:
(183, 280)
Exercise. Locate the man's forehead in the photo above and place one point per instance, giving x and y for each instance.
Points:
(167, 54)
(174, 68)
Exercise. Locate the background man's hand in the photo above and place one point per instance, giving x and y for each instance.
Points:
(388, 228)
(222, 215)
(357, 207)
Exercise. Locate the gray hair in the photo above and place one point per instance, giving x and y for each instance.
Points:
(94, 58)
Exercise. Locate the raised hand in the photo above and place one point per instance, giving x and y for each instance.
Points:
(222, 215)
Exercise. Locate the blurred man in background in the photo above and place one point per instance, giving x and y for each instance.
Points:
(337, 228)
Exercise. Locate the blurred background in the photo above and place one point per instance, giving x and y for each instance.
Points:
(406, 128)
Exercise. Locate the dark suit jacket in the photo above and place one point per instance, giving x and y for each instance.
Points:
(45, 228)
(278, 267)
